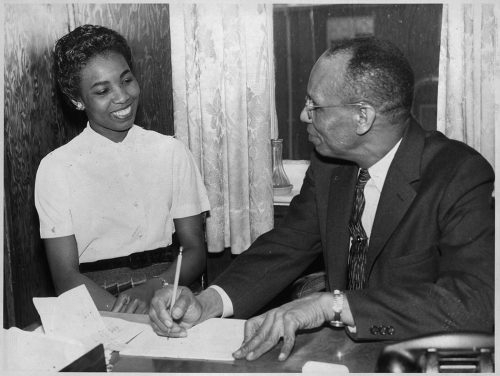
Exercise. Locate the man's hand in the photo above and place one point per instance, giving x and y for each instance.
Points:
(186, 312)
(263, 332)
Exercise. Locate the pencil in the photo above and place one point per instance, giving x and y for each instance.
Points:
(176, 280)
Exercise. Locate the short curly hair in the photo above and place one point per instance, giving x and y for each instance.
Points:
(379, 73)
(74, 50)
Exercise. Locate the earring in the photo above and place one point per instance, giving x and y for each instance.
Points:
(79, 106)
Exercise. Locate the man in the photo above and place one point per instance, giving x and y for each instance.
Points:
(403, 218)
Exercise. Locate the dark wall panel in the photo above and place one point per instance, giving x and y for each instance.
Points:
(146, 28)
(32, 126)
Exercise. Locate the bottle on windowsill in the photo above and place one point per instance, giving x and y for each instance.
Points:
(281, 183)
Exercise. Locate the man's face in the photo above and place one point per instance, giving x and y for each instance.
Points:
(330, 129)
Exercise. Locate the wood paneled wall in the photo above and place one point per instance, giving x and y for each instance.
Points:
(36, 121)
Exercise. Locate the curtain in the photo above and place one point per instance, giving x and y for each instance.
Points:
(469, 71)
(224, 111)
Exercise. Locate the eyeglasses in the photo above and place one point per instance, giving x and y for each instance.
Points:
(310, 106)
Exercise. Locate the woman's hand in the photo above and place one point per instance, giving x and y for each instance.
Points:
(263, 332)
(134, 300)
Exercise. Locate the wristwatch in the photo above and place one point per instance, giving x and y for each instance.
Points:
(338, 302)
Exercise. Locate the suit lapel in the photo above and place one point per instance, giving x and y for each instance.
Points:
(398, 191)
(341, 195)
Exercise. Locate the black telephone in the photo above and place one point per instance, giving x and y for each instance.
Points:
(440, 353)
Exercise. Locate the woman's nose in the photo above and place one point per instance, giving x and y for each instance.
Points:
(304, 116)
(121, 95)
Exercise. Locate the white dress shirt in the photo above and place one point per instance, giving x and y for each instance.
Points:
(373, 188)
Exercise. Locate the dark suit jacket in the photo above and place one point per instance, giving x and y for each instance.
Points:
(430, 263)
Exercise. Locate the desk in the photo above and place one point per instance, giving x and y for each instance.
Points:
(324, 344)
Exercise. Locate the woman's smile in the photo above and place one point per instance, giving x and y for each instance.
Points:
(123, 114)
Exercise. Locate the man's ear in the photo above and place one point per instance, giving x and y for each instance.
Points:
(365, 117)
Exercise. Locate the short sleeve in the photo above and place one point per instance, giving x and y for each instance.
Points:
(52, 200)
(189, 193)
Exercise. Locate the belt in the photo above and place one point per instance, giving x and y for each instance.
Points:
(134, 261)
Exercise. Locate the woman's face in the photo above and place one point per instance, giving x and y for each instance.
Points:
(110, 95)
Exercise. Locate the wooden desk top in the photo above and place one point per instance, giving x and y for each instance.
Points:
(323, 344)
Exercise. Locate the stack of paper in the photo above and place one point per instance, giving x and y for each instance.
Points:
(71, 326)
(74, 315)
(34, 351)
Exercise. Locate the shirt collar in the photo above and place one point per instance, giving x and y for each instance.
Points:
(98, 139)
(378, 172)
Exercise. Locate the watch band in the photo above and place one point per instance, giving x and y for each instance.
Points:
(338, 302)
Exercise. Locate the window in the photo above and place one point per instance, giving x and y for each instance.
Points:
(303, 33)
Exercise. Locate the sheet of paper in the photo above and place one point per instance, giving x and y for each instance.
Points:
(214, 339)
(34, 351)
(74, 315)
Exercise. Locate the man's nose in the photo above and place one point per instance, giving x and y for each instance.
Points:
(304, 116)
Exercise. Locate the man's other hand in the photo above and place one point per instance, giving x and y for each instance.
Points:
(263, 332)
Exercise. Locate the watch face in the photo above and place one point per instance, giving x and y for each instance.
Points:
(338, 301)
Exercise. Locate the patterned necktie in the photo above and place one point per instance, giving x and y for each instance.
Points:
(357, 254)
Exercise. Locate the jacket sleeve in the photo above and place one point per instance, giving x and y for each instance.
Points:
(277, 257)
(461, 298)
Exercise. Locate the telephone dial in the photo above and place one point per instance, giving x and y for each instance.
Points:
(440, 353)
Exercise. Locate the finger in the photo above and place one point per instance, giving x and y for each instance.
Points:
(156, 329)
(120, 302)
(142, 308)
(289, 330)
(157, 326)
(161, 304)
(177, 331)
(132, 306)
(154, 308)
(181, 305)
(259, 338)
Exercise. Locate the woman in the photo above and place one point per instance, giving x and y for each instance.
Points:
(116, 190)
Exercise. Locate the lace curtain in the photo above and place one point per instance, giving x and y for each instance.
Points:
(224, 111)
(469, 75)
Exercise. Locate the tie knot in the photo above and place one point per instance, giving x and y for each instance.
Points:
(363, 176)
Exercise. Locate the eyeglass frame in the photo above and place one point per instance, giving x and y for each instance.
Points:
(310, 107)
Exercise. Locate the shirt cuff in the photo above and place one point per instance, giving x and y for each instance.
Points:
(351, 329)
(227, 305)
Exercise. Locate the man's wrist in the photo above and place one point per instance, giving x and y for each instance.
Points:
(332, 305)
(211, 304)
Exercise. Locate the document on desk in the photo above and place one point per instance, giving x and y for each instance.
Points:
(34, 351)
(74, 315)
(215, 339)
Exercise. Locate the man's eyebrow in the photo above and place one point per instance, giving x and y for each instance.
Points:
(124, 73)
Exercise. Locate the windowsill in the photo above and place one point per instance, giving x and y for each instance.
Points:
(284, 200)
(295, 170)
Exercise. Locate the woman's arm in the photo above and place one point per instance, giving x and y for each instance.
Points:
(194, 257)
(62, 255)
(191, 236)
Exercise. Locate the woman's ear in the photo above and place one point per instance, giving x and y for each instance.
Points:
(79, 105)
(365, 117)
